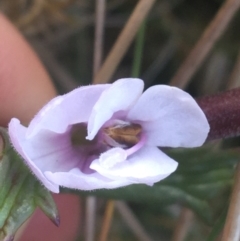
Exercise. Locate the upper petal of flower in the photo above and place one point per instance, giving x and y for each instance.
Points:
(62, 111)
(119, 97)
(148, 165)
(170, 117)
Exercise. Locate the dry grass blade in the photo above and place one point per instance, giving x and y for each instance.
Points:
(183, 225)
(99, 31)
(123, 42)
(205, 43)
(107, 220)
(132, 221)
(32, 14)
(234, 80)
(231, 230)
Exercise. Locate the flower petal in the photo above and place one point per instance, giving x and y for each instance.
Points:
(62, 111)
(78, 180)
(170, 117)
(119, 97)
(148, 165)
(17, 133)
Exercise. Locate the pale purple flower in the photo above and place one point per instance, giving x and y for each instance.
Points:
(74, 142)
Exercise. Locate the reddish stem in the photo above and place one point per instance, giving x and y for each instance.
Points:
(223, 113)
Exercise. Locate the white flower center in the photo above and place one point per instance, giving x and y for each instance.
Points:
(111, 157)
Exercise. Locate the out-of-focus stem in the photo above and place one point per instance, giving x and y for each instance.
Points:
(35, 11)
(107, 220)
(231, 230)
(234, 80)
(138, 51)
(98, 43)
(205, 43)
(183, 225)
(132, 221)
(99, 32)
(222, 112)
(123, 42)
(90, 218)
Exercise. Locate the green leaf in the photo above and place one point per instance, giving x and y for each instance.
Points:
(218, 226)
(20, 195)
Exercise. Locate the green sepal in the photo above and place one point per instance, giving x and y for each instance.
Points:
(46, 203)
(20, 194)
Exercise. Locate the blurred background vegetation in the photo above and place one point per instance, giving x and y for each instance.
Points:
(62, 33)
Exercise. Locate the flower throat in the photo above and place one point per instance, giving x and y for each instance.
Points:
(126, 135)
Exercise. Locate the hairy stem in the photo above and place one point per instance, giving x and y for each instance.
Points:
(223, 113)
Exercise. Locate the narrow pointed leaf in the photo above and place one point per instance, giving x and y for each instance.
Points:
(20, 194)
(46, 203)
